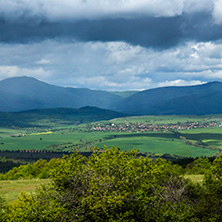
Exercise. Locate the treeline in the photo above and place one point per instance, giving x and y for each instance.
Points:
(198, 143)
(120, 186)
(8, 164)
(41, 168)
(10, 159)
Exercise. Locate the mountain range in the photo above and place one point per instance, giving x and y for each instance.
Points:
(26, 93)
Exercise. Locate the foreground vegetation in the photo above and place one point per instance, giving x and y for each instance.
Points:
(120, 186)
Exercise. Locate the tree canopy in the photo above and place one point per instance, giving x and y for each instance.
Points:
(120, 186)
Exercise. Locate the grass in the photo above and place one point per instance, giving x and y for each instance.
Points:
(5, 132)
(195, 178)
(69, 139)
(66, 140)
(10, 189)
(210, 136)
(160, 143)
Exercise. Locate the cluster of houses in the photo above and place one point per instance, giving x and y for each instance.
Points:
(142, 127)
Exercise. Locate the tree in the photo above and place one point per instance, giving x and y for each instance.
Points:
(110, 186)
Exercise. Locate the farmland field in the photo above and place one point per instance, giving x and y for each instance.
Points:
(212, 136)
(82, 137)
(159, 143)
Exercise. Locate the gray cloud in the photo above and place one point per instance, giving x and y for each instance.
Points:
(157, 32)
(159, 24)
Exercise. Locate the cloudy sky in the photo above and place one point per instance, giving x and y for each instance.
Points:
(112, 44)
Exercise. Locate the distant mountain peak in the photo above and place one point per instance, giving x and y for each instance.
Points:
(25, 93)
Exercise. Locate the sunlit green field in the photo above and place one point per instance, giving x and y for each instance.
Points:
(65, 138)
(68, 140)
(160, 143)
(210, 136)
(165, 119)
(10, 189)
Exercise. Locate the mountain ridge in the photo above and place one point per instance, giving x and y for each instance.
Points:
(35, 94)
(27, 93)
(168, 100)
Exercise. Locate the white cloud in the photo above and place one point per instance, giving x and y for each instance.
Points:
(180, 82)
(43, 62)
(209, 75)
(133, 83)
(14, 71)
(112, 65)
(217, 12)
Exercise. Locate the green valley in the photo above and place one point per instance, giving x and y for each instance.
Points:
(150, 134)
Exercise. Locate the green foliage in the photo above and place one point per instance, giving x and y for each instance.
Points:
(210, 206)
(109, 186)
(2, 208)
(198, 166)
(116, 185)
(34, 209)
(39, 170)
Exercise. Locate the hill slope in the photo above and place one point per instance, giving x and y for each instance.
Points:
(201, 99)
(25, 93)
(57, 116)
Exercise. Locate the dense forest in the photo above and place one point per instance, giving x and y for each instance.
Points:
(116, 185)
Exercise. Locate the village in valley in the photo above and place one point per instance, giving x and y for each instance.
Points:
(143, 127)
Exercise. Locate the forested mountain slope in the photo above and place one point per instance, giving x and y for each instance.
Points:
(25, 93)
(200, 99)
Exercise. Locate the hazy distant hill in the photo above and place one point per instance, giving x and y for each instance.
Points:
(201, 99)
(124, 94)
(25, 93)
(56, 116)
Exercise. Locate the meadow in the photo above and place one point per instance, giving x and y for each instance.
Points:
(10, 189)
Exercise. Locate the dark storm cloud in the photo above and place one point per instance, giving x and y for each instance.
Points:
(157, 32)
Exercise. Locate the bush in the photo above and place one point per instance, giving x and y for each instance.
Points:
(109, 186)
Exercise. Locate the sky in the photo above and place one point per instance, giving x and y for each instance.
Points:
(112, 45)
